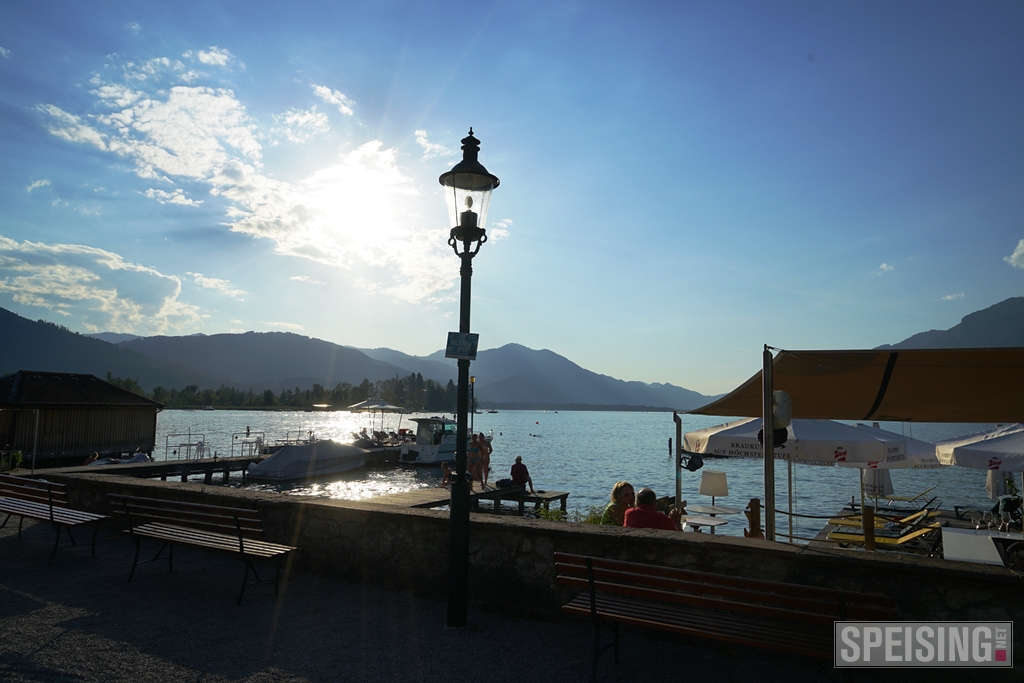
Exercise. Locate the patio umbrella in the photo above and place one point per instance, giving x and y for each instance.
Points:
(922, 453)
(999, 450)
(375, 405)
(813, 442)
(810, 441)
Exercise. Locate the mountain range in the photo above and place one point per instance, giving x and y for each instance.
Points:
(999, 325)
(512, 376)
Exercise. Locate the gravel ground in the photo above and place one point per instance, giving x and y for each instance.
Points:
(78, 620)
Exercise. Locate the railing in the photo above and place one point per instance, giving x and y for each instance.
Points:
(249, 444)
(194, 446)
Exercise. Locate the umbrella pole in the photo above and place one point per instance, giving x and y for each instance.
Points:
(861, 491)
(789, 467)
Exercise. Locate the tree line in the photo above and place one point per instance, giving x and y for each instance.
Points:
(413, 393)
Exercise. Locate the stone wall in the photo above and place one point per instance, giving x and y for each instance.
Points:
(511, 566)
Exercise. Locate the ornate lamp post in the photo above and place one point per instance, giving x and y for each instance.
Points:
(468, 188)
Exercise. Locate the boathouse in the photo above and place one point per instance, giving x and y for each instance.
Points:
(61, 418)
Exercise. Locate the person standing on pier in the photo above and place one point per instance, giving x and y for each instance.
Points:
(485, 459)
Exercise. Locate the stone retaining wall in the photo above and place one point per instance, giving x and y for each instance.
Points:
(511, 567)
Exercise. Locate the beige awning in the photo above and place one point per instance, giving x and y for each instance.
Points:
(922, 385)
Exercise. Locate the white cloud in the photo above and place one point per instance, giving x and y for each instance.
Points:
(1016, 259)
(953, 297)
(306, 278)
(300, 125)
(360, 213)
(431, 149)
(176, 197)
(334, 97)
(222, 286)
(886, 268)
(215, 56)
(37, 184)
(134, 27)
(5, 53)
(285, 326)
(98, 286)
(500, 230)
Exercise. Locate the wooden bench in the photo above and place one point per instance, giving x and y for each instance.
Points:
(233, 531)
(45, 501)
(768, 614)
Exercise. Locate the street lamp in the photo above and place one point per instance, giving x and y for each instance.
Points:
(468, 189)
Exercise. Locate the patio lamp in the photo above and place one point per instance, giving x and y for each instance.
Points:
(467, 187)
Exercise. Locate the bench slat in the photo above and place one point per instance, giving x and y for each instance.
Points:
(692, 622)
(177, 534)
(775, 587)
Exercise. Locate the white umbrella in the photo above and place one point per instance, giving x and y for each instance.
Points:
(877, 483)
(922, 453)
(810, 441)
(996, 450)
(1000, 449)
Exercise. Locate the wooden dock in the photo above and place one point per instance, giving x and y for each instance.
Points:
(162, 469)
(437, 496)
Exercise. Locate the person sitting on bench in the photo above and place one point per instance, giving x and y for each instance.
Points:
(646, 516)
(520, 474)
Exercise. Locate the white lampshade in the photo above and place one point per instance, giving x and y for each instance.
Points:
(713, 483)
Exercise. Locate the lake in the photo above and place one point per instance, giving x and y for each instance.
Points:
(585, 453)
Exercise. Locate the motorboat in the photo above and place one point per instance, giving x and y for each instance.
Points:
(434, 442)
(492, 411)
(311, 460)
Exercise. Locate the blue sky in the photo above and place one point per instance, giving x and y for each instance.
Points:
(681, 183)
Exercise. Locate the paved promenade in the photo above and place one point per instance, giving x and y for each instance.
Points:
(79, 621)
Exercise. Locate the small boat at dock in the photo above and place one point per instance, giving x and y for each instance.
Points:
(434, 442)
(312, 460)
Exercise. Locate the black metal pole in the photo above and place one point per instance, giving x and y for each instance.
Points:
(458, 542)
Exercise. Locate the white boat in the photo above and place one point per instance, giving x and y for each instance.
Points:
(296, 462)
(434, 442)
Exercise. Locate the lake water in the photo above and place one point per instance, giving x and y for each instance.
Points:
(585, 453)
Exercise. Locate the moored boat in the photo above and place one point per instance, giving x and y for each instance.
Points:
(434, 442)
(296, 462)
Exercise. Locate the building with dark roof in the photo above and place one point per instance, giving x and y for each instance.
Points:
(64, 417)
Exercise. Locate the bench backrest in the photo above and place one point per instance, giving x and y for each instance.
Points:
(235, 521)
(718, 591)
(34, 490)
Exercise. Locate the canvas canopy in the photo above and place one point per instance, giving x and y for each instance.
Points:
(924, 385)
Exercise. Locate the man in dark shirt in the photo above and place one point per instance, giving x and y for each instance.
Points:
(646, 516)
(520, 475)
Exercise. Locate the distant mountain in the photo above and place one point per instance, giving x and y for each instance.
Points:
(39, 345)
(267, 360)
(512, 376)
(113, 337)
(1000, 325)
(517, 376)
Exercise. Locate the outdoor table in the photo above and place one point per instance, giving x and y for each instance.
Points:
(697, 521)
(712, 510)
(974, 545)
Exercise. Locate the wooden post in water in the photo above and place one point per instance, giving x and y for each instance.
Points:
(867, 522)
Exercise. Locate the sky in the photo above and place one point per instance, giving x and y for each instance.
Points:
(681, 183)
